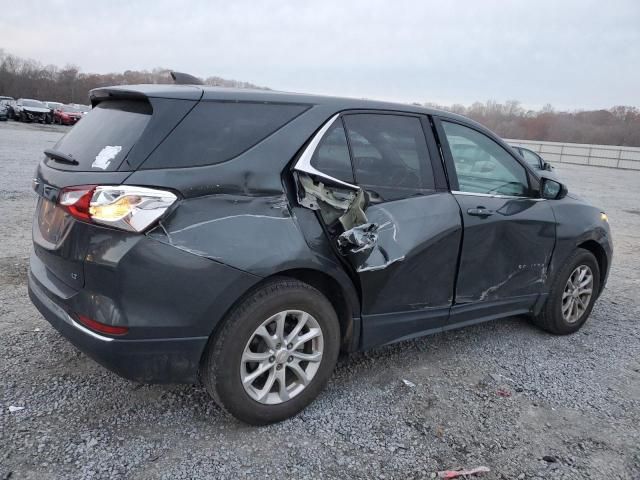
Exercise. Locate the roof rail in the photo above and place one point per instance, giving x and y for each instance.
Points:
(180, 78)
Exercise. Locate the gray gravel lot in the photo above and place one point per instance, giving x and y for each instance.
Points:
(501, 394)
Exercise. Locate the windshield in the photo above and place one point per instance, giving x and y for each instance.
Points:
(70, 109)
(33, 103)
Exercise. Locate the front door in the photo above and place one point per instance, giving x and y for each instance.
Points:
(509, 235)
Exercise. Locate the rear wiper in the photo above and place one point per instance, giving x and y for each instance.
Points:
(60, 157)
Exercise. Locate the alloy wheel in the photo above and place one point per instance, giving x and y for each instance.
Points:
(577, 293)
(282, 357)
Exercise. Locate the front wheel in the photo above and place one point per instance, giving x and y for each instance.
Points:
(274, 353)
(572, 295)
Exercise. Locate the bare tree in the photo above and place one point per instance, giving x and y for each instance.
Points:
(619, 125)
(26, 78)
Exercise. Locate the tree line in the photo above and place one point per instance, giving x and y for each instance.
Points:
(26, 78)
(620, 125)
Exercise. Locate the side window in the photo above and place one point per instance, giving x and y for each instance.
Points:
(214, 132)
(332, 154)
(389, 154)
(482, 165)
(531, 158)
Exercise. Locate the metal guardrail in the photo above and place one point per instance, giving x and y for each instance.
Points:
(584, 154)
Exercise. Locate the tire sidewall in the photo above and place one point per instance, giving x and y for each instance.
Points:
(228, 350)
(582, 257)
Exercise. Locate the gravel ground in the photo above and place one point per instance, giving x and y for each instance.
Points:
(504, 394)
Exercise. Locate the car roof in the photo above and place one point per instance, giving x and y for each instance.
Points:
(203, 92)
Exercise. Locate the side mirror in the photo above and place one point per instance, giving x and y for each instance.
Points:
(552, 190)
(547, 166)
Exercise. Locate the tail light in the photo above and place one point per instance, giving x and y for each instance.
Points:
(101, 327)
(124, 207)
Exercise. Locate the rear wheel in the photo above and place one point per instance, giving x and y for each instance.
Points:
(274, 353)
(572, 296)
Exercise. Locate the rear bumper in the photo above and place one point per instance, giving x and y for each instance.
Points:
(166, 360)
(170, 301)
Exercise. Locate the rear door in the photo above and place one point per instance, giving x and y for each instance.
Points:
(509, 232)
(389, 213)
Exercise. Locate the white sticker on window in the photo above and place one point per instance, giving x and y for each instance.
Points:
(103, 159)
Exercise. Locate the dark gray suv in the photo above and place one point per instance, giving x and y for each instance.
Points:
(244, 238)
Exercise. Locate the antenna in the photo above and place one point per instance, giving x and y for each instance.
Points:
(180, 78)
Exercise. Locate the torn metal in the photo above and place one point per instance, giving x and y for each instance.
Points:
(314, 192)
(359, 239)
(342, 208)
(343, 211)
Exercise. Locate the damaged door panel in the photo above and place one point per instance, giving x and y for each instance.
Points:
(506, 253)
(509, 233)
(404, 252)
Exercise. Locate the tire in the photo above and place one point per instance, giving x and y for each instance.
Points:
(551, 318)
(223, 363)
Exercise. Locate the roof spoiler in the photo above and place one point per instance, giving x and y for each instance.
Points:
(180, 78)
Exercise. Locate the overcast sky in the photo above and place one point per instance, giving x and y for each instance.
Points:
(572, 54)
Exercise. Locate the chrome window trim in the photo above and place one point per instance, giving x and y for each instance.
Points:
(304, 162)
(493, 195)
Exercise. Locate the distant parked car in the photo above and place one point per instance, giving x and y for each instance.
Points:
(67, 115)
(29, 110)
(84, 109)
(53, 106)
(6, 107)
(533, 159)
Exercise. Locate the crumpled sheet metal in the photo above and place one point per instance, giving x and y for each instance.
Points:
(363, 241)
(358, 239)
(251, 233)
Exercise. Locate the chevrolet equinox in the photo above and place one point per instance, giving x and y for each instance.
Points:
(244, 238)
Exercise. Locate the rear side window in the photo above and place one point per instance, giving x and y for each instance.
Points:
(389, 152)
(214, 132)
(332, 154)
(104, 136)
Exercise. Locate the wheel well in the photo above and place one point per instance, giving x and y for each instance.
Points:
(331, 289)
(601, 256)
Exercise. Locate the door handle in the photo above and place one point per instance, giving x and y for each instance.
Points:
(480, 212)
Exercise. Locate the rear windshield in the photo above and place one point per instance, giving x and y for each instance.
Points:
(218, 131)
(104, 137)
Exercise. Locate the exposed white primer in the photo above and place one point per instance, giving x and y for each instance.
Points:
(103, 159)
